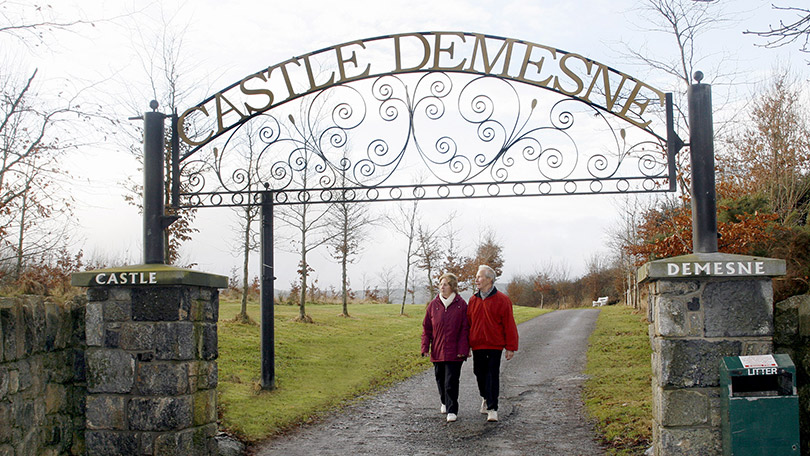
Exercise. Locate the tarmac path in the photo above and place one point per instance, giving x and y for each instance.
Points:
(540, 407)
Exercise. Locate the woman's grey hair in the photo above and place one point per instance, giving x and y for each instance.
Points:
(488, 271)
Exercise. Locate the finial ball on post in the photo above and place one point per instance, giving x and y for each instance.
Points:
(698, 76)
(154, 105)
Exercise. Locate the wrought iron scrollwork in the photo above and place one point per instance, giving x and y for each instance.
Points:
(433, 135)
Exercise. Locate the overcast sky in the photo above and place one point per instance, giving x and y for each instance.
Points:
(225, 41)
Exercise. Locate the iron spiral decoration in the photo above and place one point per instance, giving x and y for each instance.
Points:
(431, 135)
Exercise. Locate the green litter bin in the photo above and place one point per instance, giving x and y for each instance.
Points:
(759, 405)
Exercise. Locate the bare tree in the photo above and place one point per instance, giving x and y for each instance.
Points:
(29, 164)
(347, 230)
(31, 25)
(387, 278)
(795, 29)
(770, 156)
(429, 254)
(683, 23)
(405, 222)
(629, 210)
(309, 221)
(248, 215)
(452, 260)
(34, 138)
(164, 65)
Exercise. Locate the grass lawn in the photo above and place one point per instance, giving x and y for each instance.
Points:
(618, 393)
(318, 366)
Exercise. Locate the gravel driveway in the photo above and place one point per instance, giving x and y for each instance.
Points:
(540, 409)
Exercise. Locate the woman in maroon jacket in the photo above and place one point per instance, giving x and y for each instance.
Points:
(445, 335)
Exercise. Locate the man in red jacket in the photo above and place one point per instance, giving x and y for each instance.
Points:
(492, 329)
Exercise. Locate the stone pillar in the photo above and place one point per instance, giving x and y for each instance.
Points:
(151, 360)
(702, 307)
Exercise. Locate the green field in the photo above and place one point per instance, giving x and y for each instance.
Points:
(620, 349)
(318, 366)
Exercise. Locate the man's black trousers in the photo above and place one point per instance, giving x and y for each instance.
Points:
(487, 367)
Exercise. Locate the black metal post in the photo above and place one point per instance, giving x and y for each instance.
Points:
(701, 151)
(267, 290)
(674, 143)
(175, 163)
(153, 147)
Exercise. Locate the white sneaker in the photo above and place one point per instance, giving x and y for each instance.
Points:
(483, 406)
(492, 415)
(444, 408)
(451, 417)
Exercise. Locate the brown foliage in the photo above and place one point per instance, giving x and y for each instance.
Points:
(665, 234)
(47, 276)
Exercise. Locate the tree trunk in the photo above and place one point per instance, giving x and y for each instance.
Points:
(431, 287)
(407, 272)
(19, 268)
(302, 312)
(243, 315)
(345, 293)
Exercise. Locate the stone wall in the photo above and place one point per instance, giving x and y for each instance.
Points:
(792, 336)
(151, 370)
(42, 377)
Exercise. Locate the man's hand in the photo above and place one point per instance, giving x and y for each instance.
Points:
(509, 354)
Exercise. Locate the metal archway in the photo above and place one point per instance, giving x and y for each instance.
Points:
(480, 116)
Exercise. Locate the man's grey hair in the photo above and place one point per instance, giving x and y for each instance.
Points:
(488, 271)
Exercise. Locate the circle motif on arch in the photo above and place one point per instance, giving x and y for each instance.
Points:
(443, 191)
(544, 188)
(570, 187)
(468, 190)
(518, 189)
(396, 193)
(327, 195)
(493, 189)
(237, 199)
(372, 194)
(419, 192)
(596, 186)
(623, 185)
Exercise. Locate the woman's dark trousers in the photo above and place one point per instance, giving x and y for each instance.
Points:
(448, 374)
